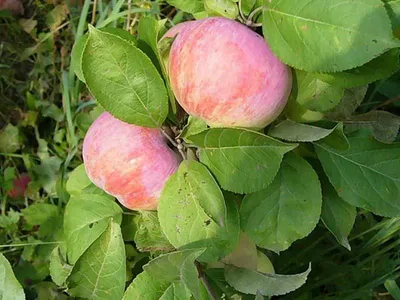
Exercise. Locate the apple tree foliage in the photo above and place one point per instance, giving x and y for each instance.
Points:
(320, 161)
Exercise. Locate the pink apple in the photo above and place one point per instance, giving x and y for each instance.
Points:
(225, 74)
(19, 186)
(129, 162)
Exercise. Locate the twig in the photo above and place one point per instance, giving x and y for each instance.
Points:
(169, 138)
(387, 102)
(94, 12)
(128, 21)
(204, 279)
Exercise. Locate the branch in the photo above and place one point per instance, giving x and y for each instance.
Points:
(205, 281)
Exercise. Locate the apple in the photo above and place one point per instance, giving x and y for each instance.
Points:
(225, 74)
(129, 162)
(20, 185)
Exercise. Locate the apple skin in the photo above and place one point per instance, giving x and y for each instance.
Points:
(225, 74)
(20, 185)
(129, 162)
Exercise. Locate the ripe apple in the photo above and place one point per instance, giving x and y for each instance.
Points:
(129, 162)
(225, 74)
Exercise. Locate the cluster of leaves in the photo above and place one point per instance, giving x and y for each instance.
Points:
(247, 195)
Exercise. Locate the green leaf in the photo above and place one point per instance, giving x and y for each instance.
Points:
(77, 181)
(79, 46)
(251, 282)
(225, 239)
(224, 8)
(337, 215)
(100, 272)
(191, 186)
(296, 132)
(351, 100)
(192, 7)
(314, 94)
(10, 288)
(193, 126)
(177, 266)
(247, 6)
(192, 208)
(123, 80)
(56, 16)
(392, 287)
(176, 291)
(243, 161)
(149, 32)
(383, 125)
(9, 139)
(86, 218)
(76, 56)
(285, 211)
(47, 173)
(378, 68)
(149, 236)
(367, 175)
(393, 9)
(59, 268)
(327, 33)
(245, 254)
(37, 214)
(145, 287)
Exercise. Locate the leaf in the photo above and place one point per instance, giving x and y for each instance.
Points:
(76, 56)
(193, 126)
(9, 139)
(250, 282)
(324, 31)
(77, 181)
(59, 268)
(247, 6)
(393, 9)
(296, 132)
(178, 266)
(191, 209)
(224, 8)
(191, 197)
(100, 272)
(47, 173)
(191, 7)
(285, 211)
(10, 288)
(176, 291)
(79, 46)
(56, 16)
(367, 175)
(149, 32)
(149, 236)
(392, 287)
(123, 80)
(39, 213)
(245, 254)
(352, 98)
(383, 125)
(225, 239)
(243, 161)
(378, 68)
(145, 287)
(315, 94)
(338, 216)
(86, 218)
